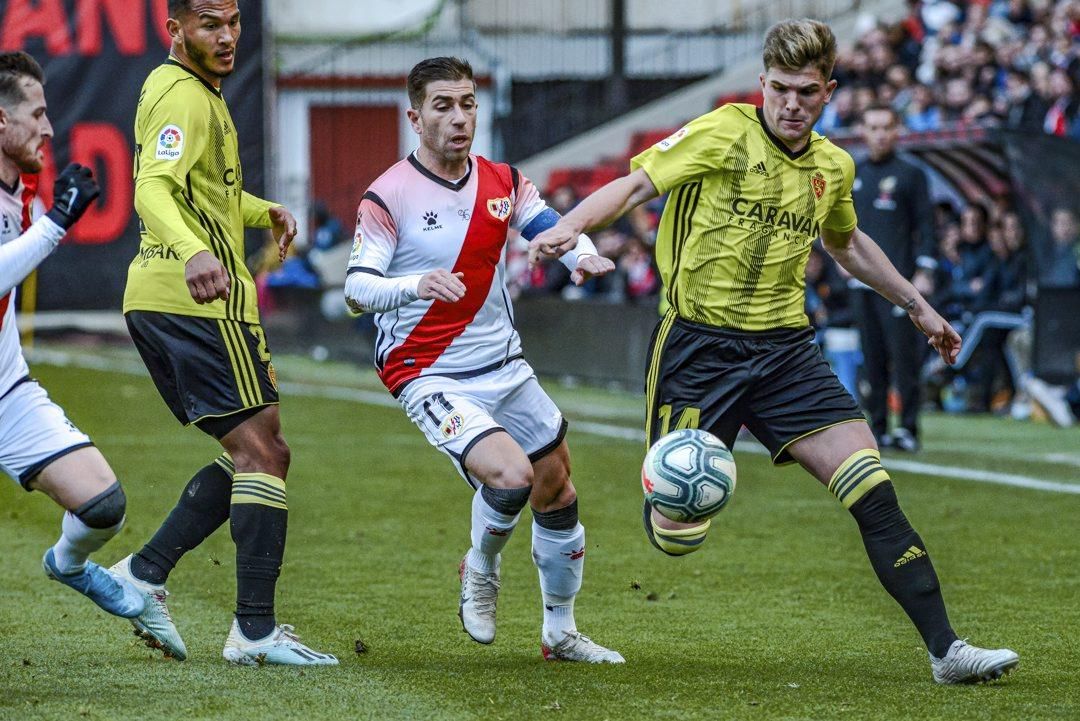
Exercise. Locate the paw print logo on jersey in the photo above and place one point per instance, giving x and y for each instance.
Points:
(431, 220)
(500, 208)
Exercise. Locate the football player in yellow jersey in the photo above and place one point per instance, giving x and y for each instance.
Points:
(749, 191)
(191, 309)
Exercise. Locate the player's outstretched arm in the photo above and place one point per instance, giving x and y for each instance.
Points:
(600, 209)
(368, 292)
(73, 192)
(858, 254)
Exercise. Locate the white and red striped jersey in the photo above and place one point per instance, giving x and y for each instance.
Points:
(413, 222)
(17, 211)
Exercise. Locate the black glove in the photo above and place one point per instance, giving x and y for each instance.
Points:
(73, 192)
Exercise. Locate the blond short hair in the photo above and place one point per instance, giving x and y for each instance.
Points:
(795, 44)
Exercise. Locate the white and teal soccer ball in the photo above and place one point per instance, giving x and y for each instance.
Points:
(688, 475)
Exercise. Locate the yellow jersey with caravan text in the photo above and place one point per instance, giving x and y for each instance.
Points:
(189, 196)
(742, 214)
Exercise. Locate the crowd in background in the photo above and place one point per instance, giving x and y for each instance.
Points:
(1009, 63)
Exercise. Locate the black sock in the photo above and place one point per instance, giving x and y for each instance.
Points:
(258, 521)
(202, 508)
(903, 566)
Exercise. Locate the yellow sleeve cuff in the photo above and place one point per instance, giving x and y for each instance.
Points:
(256, 211)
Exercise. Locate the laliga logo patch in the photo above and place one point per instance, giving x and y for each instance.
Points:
(669, 142)
(817, 182)
(500, 208)
(357, 244)
(452, 425)
(170, 145)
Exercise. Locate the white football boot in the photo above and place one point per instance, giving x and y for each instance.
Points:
(281, 647)
(479, 593)
(575, 647)
(154, 625)
(965, 663)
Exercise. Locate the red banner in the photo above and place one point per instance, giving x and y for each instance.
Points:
(96, 55)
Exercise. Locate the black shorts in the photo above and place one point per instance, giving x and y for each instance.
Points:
(776, 383)
(210, 372)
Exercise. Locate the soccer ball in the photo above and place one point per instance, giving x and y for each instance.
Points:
(688, 475)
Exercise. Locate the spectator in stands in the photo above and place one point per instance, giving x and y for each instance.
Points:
(1063, 108)
(1062, 266)
(563, 199)
(994, 376)
(1017, 12)
(963, 259)
(1007, 276)
(979, 112)
(969, 284)
(326, 229)
(640, 276)
(922, 114)
(899, 77)
(1019, 105)
(862, 99)
(828, 282)
(958, 95)
(892, 203)
(948, 258)
(839, 113)
(298, 270)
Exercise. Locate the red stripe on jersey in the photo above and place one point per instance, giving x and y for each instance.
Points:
(29, 191)
(480, 253)
(30, 185)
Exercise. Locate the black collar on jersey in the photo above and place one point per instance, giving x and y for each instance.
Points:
(9, 189)
(778, 142)
(441, 181)
(177, 63)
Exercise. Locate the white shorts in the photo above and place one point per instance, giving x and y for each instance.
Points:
(34, 432)
(455, 413)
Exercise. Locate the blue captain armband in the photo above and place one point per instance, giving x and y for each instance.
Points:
(546, 218)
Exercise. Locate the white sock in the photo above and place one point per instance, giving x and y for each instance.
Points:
(490, 532)
(78, 541)
(560, 559)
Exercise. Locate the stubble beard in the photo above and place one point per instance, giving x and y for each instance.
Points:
(202, 60)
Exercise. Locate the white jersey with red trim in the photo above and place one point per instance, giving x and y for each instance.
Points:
(413, 222)
(16, 214)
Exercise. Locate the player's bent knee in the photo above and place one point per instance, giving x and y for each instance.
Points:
(510, 476)
(105, 510)
(859, 474)
(674, 542)
(508, 501)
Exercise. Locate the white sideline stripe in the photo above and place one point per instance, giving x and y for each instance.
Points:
(604, 430)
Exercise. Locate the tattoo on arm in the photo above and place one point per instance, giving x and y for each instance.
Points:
(909, 306)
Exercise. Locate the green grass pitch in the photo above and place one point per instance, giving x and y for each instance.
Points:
(777, 617)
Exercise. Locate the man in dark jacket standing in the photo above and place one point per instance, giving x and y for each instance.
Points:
(893, 204)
